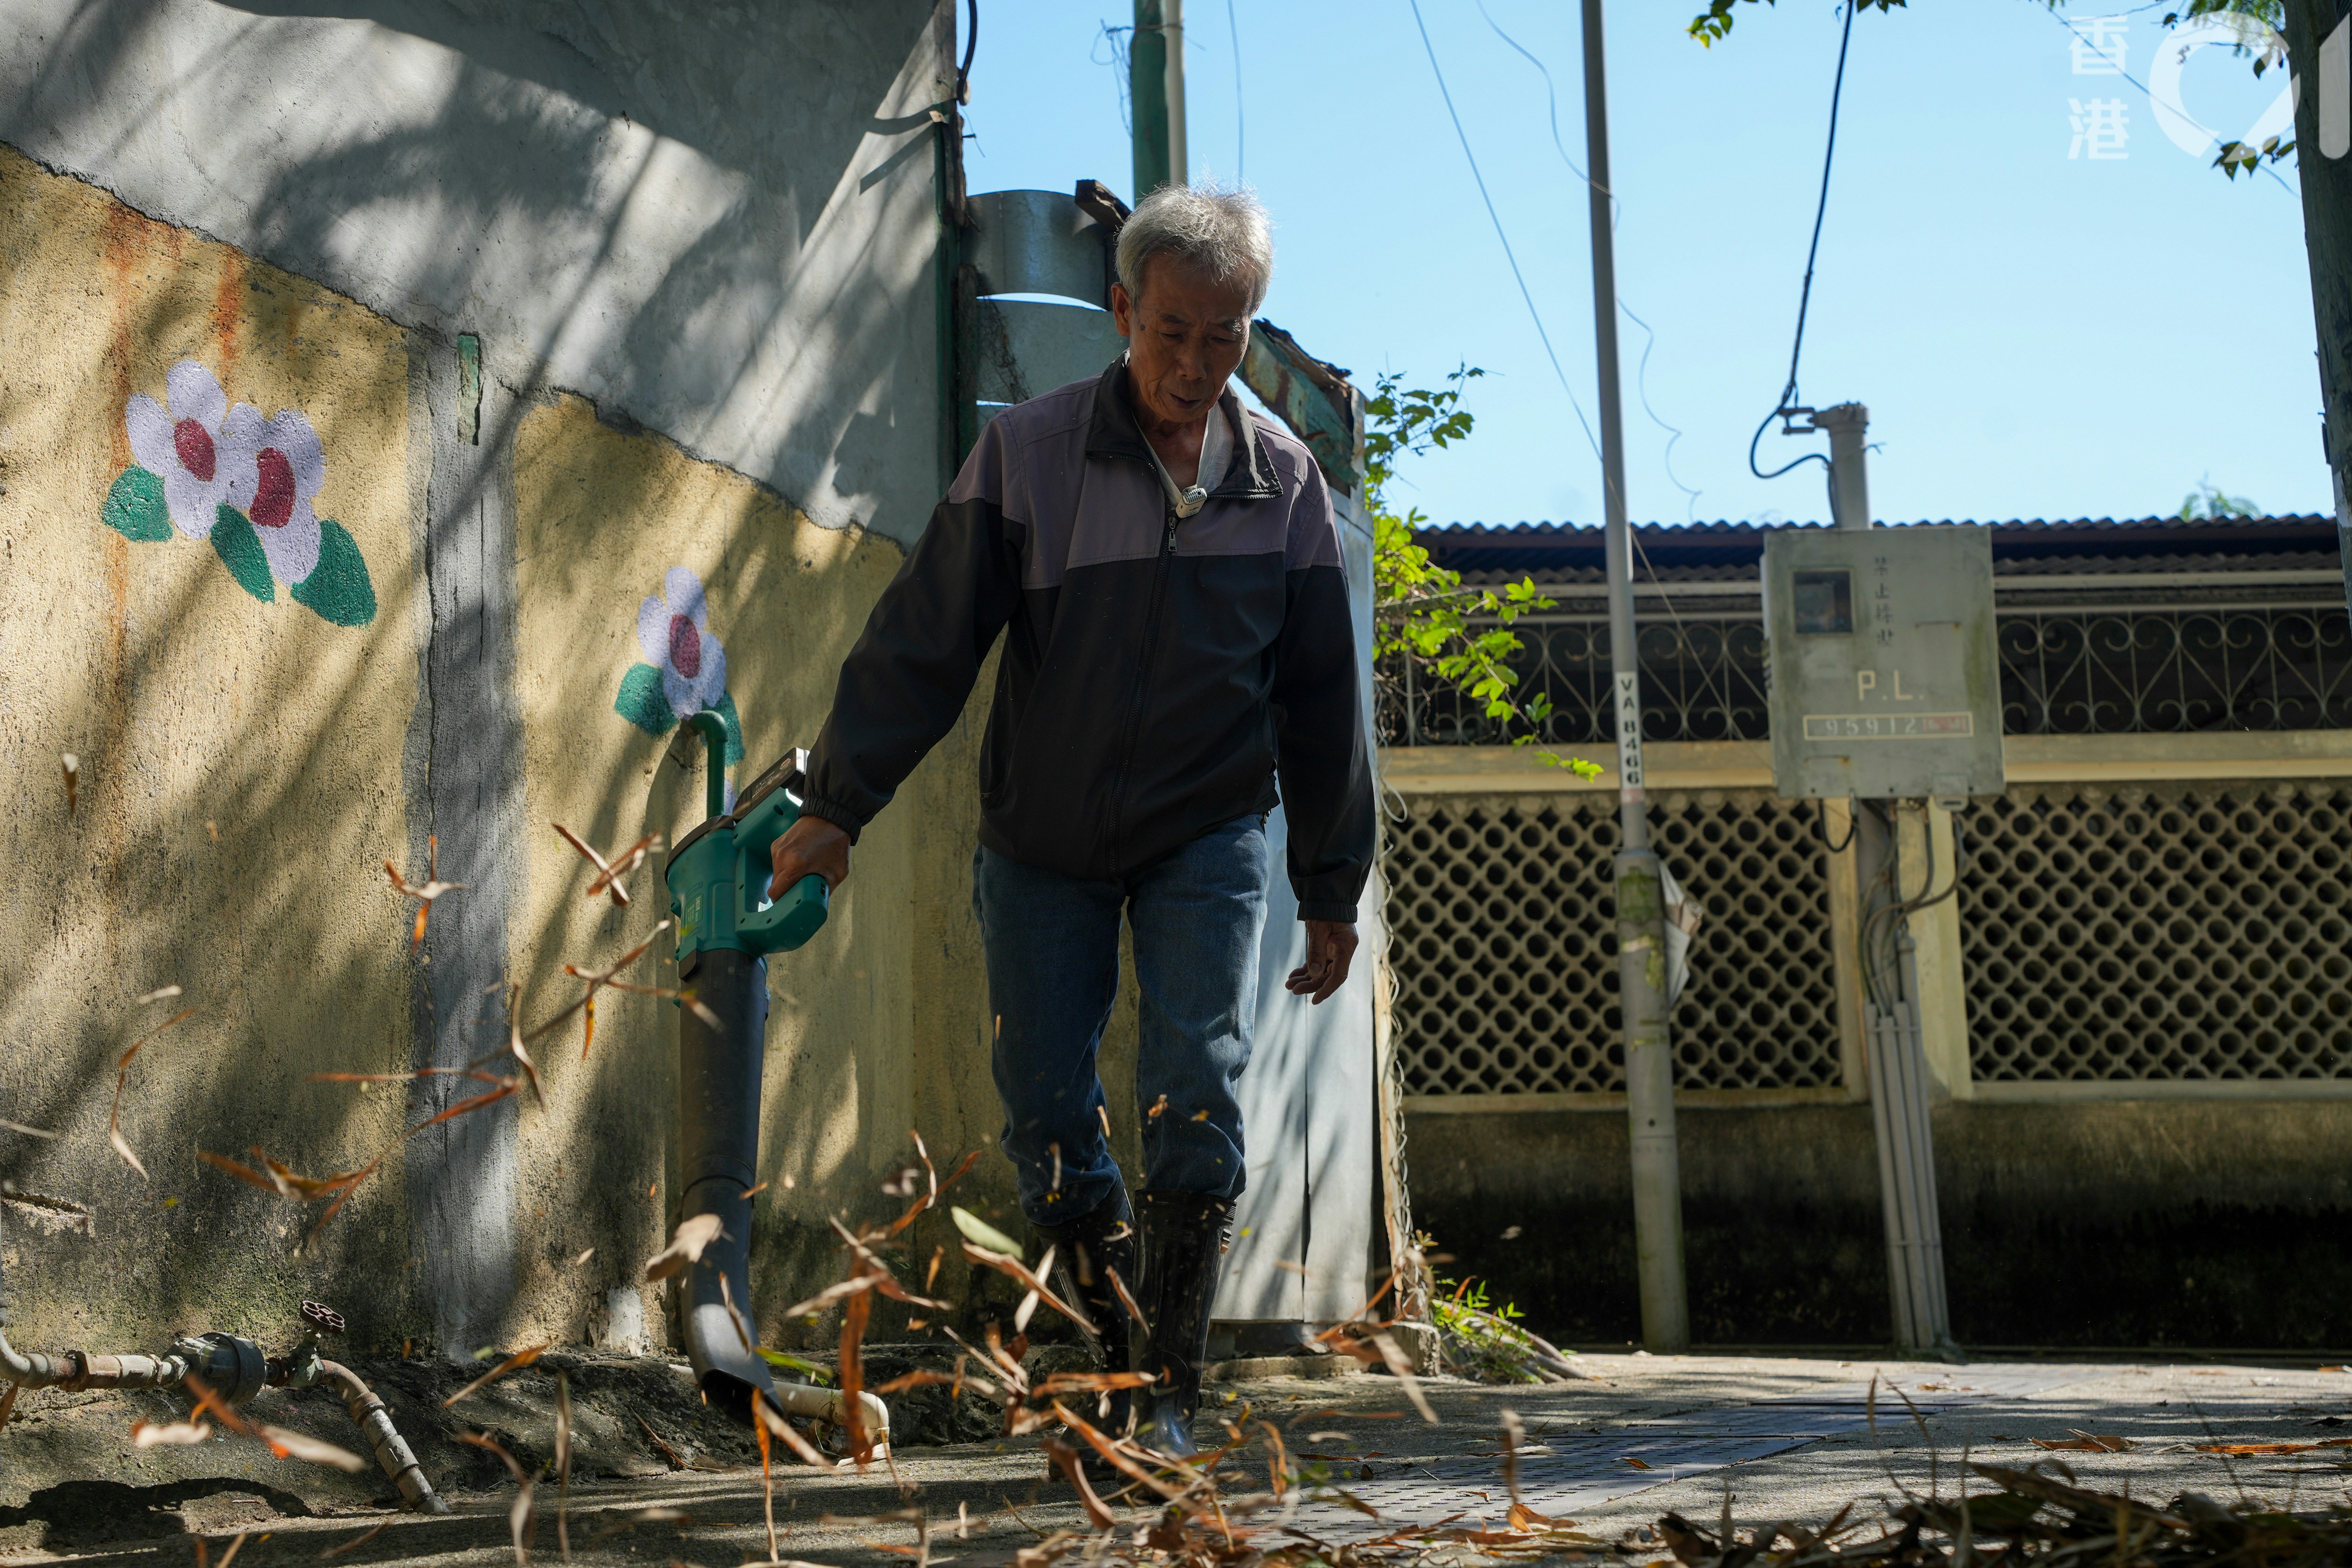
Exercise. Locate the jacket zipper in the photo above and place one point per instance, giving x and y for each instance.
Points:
(1134, 717)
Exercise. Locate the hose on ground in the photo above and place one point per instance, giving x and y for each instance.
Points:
(392, 1452)
(824, 1405)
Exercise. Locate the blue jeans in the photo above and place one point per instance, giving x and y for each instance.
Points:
(1053, 973)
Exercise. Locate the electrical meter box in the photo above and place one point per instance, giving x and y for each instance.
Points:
(1884, 682)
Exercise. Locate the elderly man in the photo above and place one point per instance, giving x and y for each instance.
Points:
(1166, 569)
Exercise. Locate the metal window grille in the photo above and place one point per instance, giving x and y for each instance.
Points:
(2072, 672)
(1502, 936)
(1701, 680)
(2136, 671)
(2171, 932)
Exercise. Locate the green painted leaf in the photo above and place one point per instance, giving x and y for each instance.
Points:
(726, 709)
(240, 551)
(134, 507)
(642, 703)
(338, 587)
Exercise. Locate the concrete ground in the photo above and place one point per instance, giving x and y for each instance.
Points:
(1787, 1439)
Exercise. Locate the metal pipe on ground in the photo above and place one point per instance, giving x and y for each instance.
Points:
(392, 1452)
(76, 1371)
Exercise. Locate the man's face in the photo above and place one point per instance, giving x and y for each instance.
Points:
(1185, 337)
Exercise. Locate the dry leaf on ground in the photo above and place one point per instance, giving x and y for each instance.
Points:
(686, 1246)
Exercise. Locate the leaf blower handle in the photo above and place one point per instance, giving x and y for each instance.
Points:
(768, 809)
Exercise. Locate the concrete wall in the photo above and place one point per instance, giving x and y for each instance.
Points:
(717, 220)
(695, 252)
(2115, 1223)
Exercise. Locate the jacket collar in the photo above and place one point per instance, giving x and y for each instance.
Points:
(1114, 433)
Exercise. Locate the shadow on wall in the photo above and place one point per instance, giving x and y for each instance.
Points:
(241, 769)
(2175, 1223)
(246, 766)
(680, 211)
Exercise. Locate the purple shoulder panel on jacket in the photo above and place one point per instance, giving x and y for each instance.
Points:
(1313, 537)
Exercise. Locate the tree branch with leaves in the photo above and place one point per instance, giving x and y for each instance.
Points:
(1423, 614)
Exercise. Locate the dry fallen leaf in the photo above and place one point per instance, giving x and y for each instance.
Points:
(1637, 1464)
(519, 1359)
(684, 1249)
(121, 1076)
(288, 1445)
(50, 1214)
(169, 1433)
(2086, 1442)
(520, 1517)
(433, 887)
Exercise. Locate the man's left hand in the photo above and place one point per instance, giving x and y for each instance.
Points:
(1330, 948)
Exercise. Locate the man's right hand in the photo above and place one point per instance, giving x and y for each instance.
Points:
(809, 846)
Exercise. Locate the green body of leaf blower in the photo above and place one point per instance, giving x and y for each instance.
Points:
(717, 877)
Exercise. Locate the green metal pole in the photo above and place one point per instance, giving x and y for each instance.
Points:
(1155, 83)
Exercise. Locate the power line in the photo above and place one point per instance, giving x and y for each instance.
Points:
(1813, 252)
(1551, 105)
(1496, 218)
(1241, 124)
(1616, 210)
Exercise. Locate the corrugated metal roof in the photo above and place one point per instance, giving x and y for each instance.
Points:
(2162, 543)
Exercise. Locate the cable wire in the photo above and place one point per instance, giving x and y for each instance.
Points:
(970, 43)
(1616, 211)
(1591, 440)
(1813, 252)
(1240, 123)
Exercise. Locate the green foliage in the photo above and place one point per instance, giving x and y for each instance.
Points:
(1481, 1340)
(2236, 155)
(2273, 12)
(1422, 612)
(1714, 21)
(2207, 501)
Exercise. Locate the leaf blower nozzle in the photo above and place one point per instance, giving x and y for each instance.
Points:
(727, 926)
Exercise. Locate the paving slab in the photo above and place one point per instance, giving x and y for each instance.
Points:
(1784, 1439)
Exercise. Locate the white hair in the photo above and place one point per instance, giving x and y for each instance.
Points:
(1223, 230)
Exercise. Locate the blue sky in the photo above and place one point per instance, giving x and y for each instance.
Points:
(2036, 335)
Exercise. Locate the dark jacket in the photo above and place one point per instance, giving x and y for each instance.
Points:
(1158, 675)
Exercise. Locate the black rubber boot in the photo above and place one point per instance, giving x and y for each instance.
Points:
(1086, 1251)
(1183, 1237)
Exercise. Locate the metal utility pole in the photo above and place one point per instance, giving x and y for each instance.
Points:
(1846, 426)
(1640, 898)
(1155, 90)
(1899, 1089)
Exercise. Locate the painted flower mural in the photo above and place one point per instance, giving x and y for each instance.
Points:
(684, 670)
(246, 484)
(278, 468)
(178, 446)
